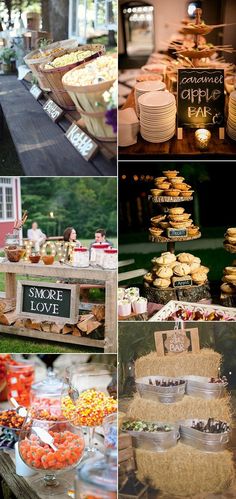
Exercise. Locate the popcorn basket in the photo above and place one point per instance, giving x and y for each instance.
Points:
(86, 99)
(54, 75)
(34, 62)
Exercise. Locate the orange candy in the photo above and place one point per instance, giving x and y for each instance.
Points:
(90, 408)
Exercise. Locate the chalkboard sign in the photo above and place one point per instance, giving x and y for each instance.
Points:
(36, 92)
(81, 142)
(181, 282)
(53, 110)
(48, 301)
(200, 98)
(177, 232)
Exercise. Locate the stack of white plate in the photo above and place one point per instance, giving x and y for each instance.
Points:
(157, 116)
(142, 87)
(128, 125)
(231, 123)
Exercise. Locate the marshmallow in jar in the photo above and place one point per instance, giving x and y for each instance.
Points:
(97, 253)
(80, 257)
(110, 258)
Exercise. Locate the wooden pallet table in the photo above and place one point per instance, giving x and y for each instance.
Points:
(174, 148)
(41, 144)
(64, 273)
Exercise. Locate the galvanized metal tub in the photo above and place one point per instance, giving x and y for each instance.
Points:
(163, 394)
(199, 386)
(206, 442)
(158, 441)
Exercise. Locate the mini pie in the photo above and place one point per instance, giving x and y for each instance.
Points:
(182, 186)
(230, 270)
(161, 283)
(186, 258)
(156, 192)
(148, 277)
(193, 231)
(181, 225)
(172, 192)
(227, 289)
(231, 239)
(154, 231)
(159, 180)
(158, 218)
(231, 278)
(179, 218)
(231, 231)
(199, 277)
(176, 211)
(163, 185)
(170, 173)
(164, 225)
(165, 272)
(194, 266)
(186, 194)
(181, 269)
(177, 180)
(166, 258)
(203, 269)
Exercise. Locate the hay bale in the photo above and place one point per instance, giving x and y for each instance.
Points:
(205, 363)
(187, 408)
(185, 471)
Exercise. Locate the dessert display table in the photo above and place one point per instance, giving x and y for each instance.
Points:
(41, 144)
(66, 272)
(184, 149)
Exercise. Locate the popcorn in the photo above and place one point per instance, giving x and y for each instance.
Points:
(103, 68)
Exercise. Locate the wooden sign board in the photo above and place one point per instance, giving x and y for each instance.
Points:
(182, 282)
(36, 92)
(81, 142)
(176, 341)
(201, 98)
(53, 110)
(48, 301)
(176, 232)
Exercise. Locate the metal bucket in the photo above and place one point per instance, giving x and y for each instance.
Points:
(158, 441)
(206, 442)
(199, 386)
(163, 394)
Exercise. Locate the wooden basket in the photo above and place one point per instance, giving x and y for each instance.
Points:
(86, 99)
(54, 76)
(34, 64)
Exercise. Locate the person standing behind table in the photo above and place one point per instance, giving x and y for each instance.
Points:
(70, 236)
(100, 238)
(36, 236)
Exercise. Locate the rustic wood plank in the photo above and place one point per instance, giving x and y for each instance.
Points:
(177, 148)
(111, 315)
(41, 145)
(10, 285)
(41, 335)
(18, 485)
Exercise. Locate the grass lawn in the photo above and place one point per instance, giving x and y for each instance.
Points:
(14, 344)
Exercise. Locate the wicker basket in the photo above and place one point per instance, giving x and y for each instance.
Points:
(34, 64)
(86, 99)
(54, 76)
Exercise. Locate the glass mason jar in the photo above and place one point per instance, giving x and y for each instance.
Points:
(46, 394)
(97, 479)
(51, 447)
(97, 253)
(110, 260)
(80, 257)
(20, 378)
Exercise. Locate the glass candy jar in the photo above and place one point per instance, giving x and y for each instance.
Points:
(80, 257)
(110, 261)
(97, 253)
(20, 377)
(46, 394)
(51, 447)
(97, 479)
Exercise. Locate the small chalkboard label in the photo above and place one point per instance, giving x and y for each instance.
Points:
(200, 98)
(81, 142)
(53, 110)
(177, 232)
(36, 92)
(181, 282)
(48, 301)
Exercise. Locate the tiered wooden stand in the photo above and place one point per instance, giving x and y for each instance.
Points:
(193, 293)
(226, 299)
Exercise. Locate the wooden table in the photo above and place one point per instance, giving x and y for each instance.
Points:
(41, 145)
(177, 149)
(64, 272)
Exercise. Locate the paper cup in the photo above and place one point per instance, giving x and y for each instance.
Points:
(140, 307)
(124, 309)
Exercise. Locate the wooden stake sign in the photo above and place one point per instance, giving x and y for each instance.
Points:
(200, 98)
(48, 301)
(36, 92)
(176, 341)
(81, 142)
(53, 110)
